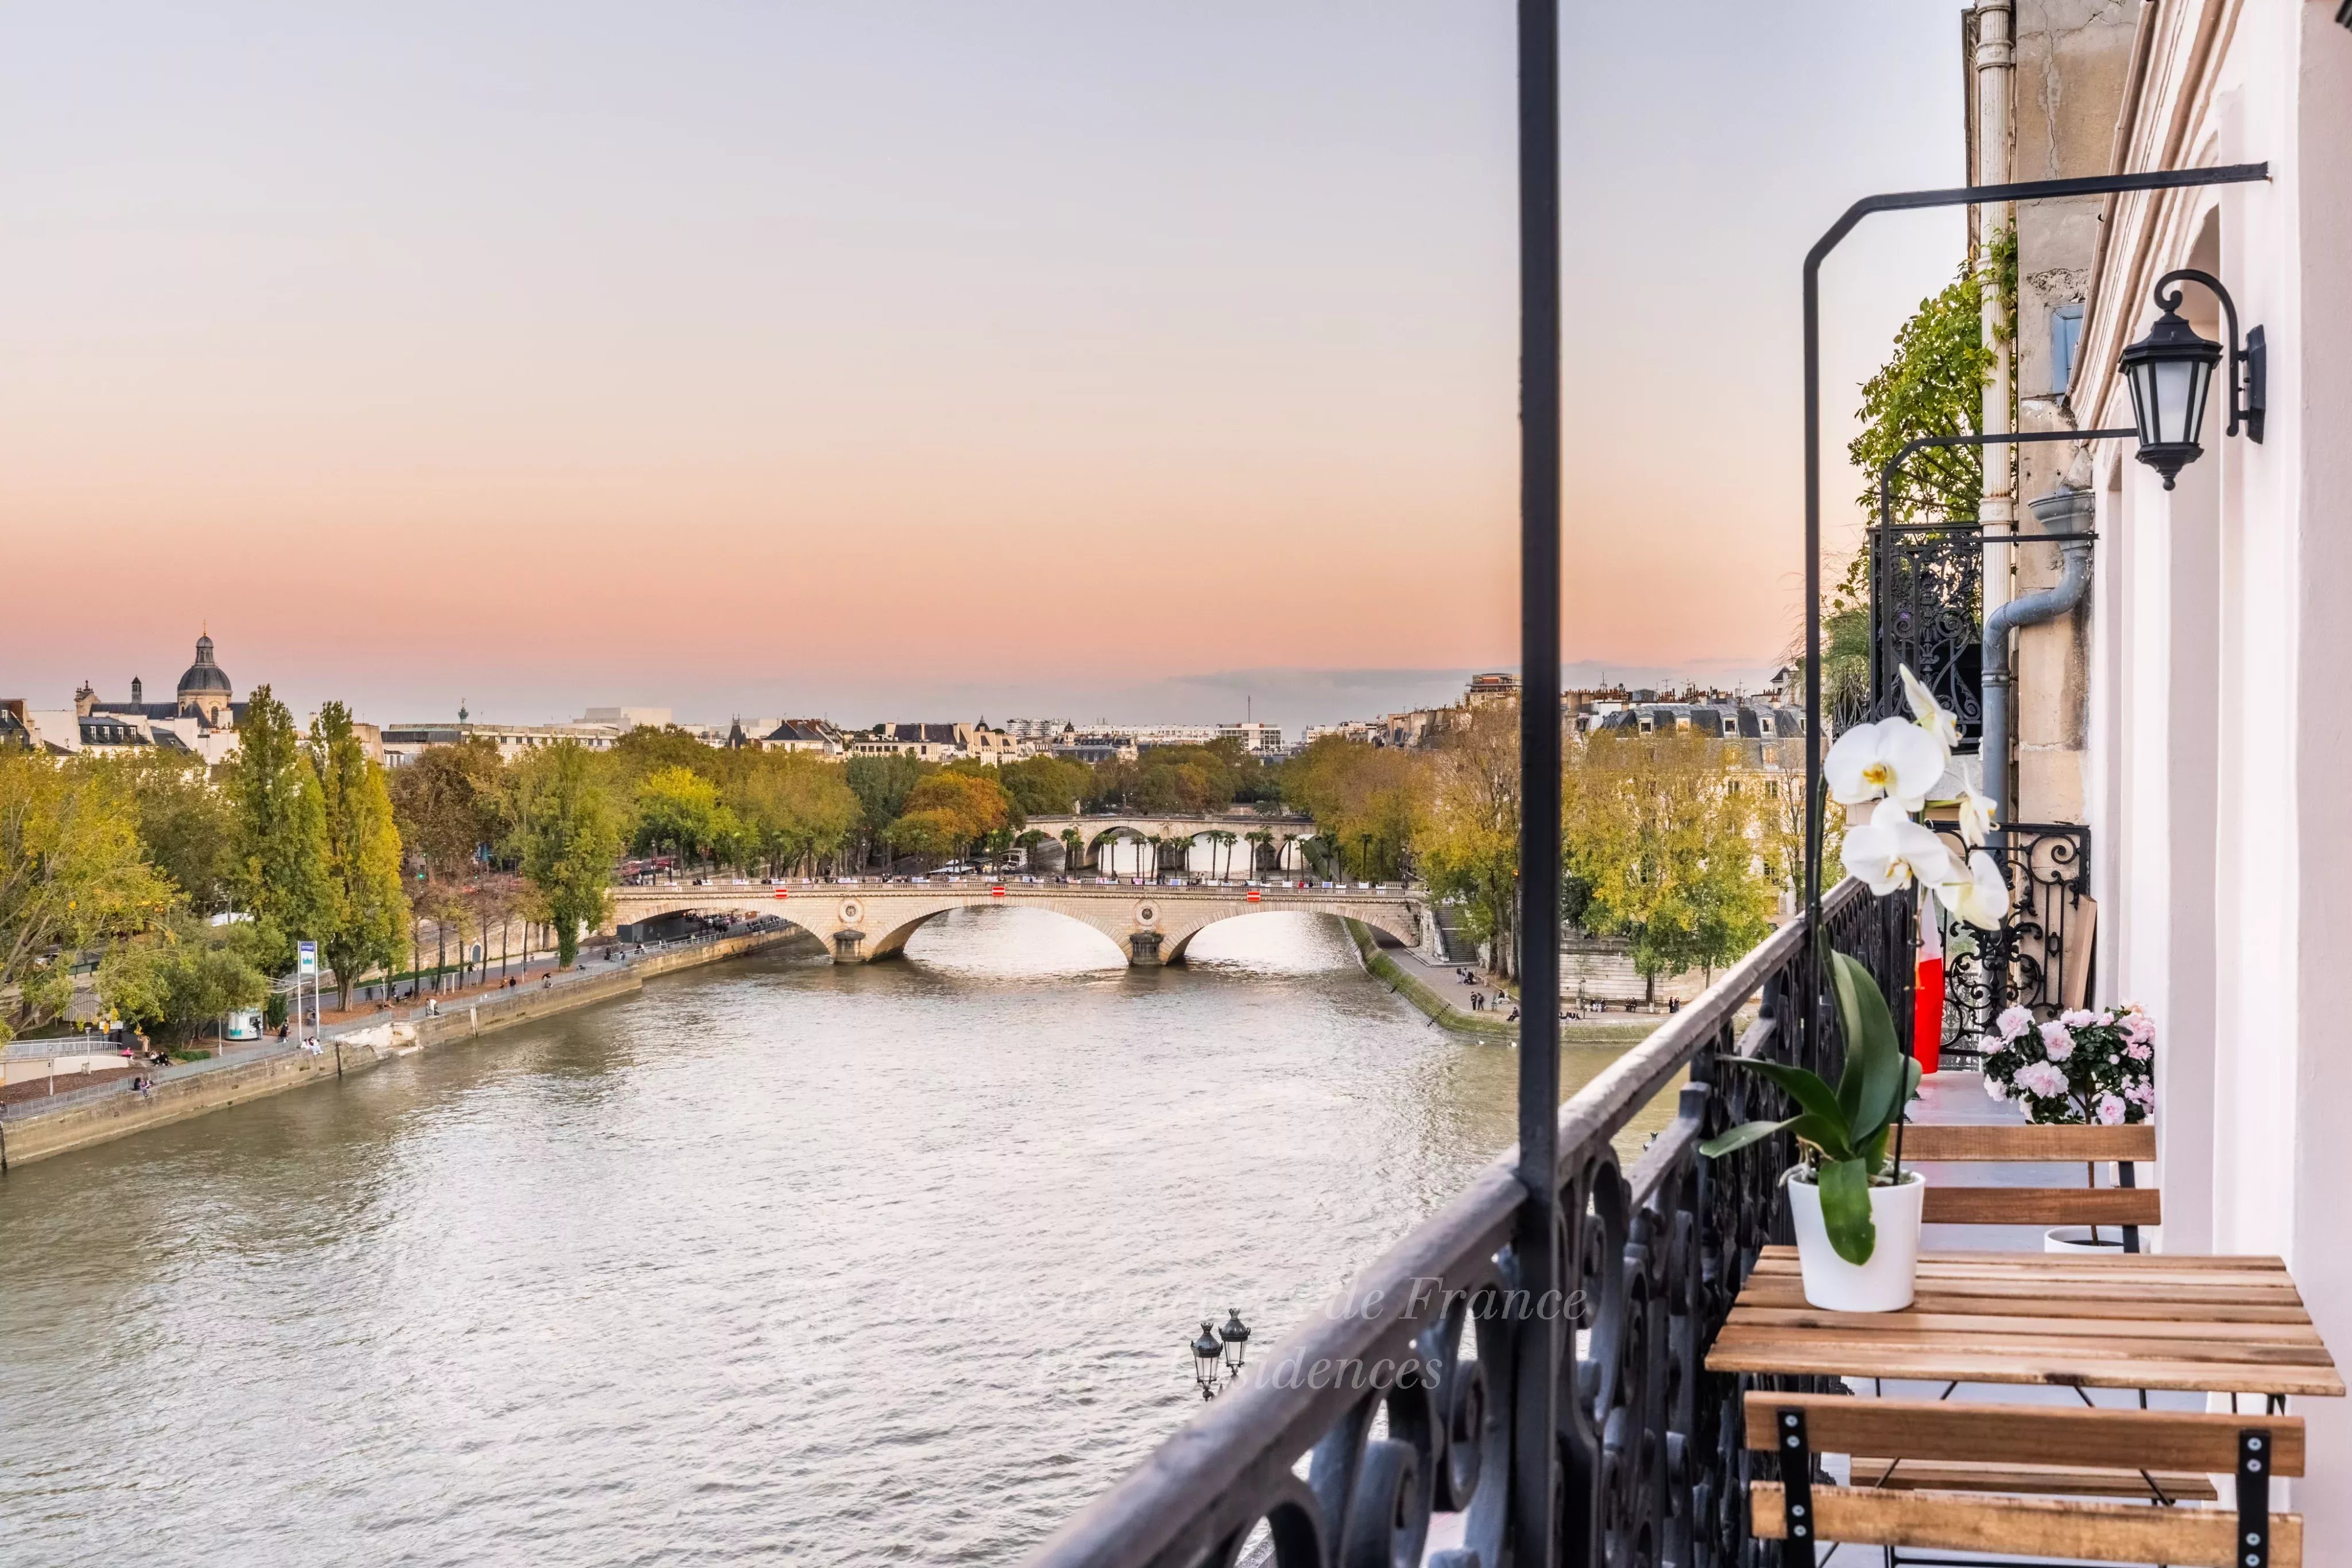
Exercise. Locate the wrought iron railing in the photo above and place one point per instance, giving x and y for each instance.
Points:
(1390, 1414)
(2040, 956)
(1927, 612)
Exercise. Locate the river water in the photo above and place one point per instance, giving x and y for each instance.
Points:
(772, 1262)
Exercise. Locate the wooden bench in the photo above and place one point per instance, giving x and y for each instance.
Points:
(2128, 1204)
(2119, 1443)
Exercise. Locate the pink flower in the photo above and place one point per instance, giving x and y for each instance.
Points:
(2110, 1110)
(2040, 1080)
(2056, 1041)
(2103, 1020)
(2141, 1095)
(2012, 1022)
(1993, 1087)
(2077, 1017)
(2138, 1050)
(2139, 1027)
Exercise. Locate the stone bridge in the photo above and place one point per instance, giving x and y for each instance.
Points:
(1097, 830)
(859, 922)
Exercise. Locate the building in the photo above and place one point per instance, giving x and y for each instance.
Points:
(809, 735)
(402, 742)
(625, 719)
(938, 742)
(2179, 716)
(201, 719)
(1092, 746)
(1492, 691)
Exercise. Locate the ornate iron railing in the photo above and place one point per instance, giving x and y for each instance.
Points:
(1391, 1413)
(1926, 611)
(2041, 956)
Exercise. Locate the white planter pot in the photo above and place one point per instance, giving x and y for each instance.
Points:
(1884, 1283)
(2076, 1241)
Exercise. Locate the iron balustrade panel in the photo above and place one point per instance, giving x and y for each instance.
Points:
(2041, 956)
(1329, 1454)
(1927, 612)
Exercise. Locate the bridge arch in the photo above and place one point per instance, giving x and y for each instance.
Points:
(892, 943)
(1379, 920)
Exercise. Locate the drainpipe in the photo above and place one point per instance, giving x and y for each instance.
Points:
(1995, 65)
(2064, 512)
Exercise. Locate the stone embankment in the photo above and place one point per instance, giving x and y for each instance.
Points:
(29, 1134)
(1427, 998)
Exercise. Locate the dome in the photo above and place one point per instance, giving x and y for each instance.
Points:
(203, 675)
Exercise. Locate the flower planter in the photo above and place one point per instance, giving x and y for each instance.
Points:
(1884, 1283)
(2076, 1241)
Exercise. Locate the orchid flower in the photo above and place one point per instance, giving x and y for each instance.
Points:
(1890, 758)
(1975, 819)
(1892, 852)
(1932, 715)
(1976, 891)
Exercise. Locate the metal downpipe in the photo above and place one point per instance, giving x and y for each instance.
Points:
(2059, 509)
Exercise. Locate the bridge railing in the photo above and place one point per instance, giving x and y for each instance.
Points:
(1328, 1452)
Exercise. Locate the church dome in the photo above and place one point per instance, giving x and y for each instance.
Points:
(203, 675)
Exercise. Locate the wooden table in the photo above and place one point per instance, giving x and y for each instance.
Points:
(2223, 1325)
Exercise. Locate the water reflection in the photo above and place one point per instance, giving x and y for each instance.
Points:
(772, 1261)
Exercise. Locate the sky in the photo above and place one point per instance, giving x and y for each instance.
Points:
(921, 360)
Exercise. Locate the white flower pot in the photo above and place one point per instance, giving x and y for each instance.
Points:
(2075, 1240)
(1884, 1283)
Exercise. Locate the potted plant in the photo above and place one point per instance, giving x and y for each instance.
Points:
(2079, 1069)
(1857, 1218)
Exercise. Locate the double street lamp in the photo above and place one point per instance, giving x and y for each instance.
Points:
(1217, 1354)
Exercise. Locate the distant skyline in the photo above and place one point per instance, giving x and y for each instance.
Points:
(892, 360)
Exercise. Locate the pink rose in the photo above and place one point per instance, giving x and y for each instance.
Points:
(2140, 1094)
(2110, 1110)
(2077, 1017)
(2138, 1050)
(2139, 1027)
(1993, 1087)
(2040, 1080)
(2056, 1041)
(2012, 1022)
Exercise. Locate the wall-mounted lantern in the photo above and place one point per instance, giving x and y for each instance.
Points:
(2170, 373)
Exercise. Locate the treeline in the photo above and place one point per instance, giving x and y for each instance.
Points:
(1670, 841)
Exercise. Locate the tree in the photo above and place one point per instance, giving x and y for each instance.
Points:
(949, 811)
(1073, 842)
(1045, 786)
(1374, 797)
(449, 803)
(71, 878)
(280, 871)
(679, 809)
(1664, 834)
(1467, 844)
(569, 834)
(881, 785)
(184, 975)
(367, 908)
(793, 808)
(186, 827)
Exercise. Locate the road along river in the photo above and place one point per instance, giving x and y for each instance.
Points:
(775, 1261)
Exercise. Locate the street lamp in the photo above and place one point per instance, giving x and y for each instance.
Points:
(2171, 374)
(1208, 1360)
(1236, 1334)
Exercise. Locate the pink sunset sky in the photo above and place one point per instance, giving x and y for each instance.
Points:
(917, 360)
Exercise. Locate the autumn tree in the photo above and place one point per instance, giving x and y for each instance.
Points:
(188, 824)
(950, 812)
(881, 785)
(366, 907)
(568, 833)
(1467, 844)
(449, 803)
(1662, 833)
(794, 808)
(1367, 802)
(280, 867)
(71, 878)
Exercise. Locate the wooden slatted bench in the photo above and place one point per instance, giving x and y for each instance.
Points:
(2246, 1534)
(2127, 1204)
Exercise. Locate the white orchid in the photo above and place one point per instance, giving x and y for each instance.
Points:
(1892, 852)
(1898, 762)
(1975, 819)
(1932, 715)
(1976, 891)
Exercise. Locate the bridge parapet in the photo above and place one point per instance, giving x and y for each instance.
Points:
(861, 922)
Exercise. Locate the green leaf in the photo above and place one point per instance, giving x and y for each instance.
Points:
(1805, 1088)
(1845, 1210)
(1874, 1064)
(1824, 1134)
(1739, 1137)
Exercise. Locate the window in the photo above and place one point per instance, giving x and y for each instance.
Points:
(2065, 333)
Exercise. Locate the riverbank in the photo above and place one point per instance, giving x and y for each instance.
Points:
(1398, 972)
(100, 1114)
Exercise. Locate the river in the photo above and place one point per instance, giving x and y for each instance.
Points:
(773, 1261)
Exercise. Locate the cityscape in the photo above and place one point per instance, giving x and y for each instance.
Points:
(1003, 785)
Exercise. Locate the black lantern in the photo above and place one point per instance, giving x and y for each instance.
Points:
(2170, 373)
(1236, 1334)
(1208, 1358)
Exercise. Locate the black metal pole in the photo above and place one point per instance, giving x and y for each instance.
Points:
(1534, 1443)
(1892, 202)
